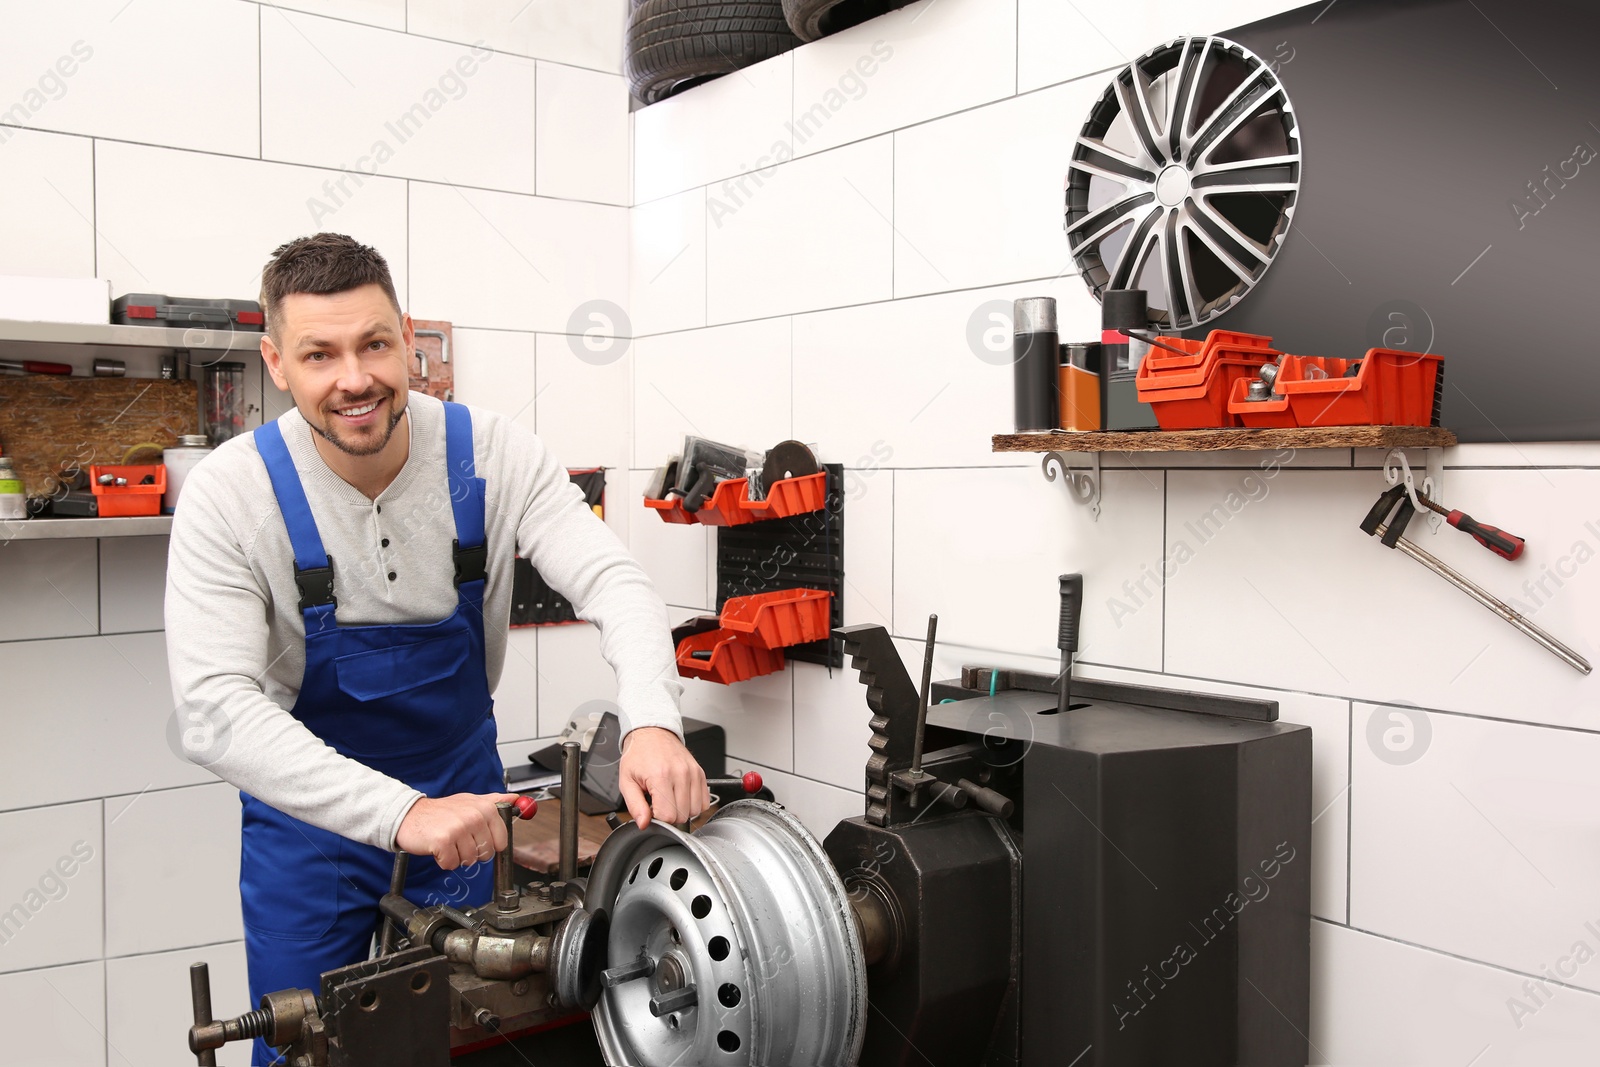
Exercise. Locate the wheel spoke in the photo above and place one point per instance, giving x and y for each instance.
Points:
(1191, 297)
(1245, 187)
(1137, 111)
(1185, 90)
(1202, 135)
(1217, 134)
(1201, 169)
(1229, 260)
(1110, 175)
(1107, 219)
(1229, 230)
(1130, 262)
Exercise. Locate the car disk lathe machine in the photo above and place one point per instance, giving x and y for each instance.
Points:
(1049, 871)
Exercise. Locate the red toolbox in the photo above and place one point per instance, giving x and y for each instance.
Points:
(1191, 392)
(154, 309)
(1387, 387)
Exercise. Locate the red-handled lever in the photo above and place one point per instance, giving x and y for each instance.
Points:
(1496, 540)
(527, 807)
(750, 783)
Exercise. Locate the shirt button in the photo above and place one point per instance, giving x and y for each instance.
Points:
(385, 542)
(380, 508)
(391, 576)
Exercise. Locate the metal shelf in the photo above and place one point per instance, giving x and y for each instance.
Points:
(46, 529)
(98, 338)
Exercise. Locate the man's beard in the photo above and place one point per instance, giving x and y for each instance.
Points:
(371, 449)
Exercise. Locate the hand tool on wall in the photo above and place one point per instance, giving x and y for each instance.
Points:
(1496, 540)
(1390, 534)
(1067, 635)
(34, 366)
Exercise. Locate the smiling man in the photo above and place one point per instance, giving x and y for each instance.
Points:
(338, 589)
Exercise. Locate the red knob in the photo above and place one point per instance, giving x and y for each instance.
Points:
(527, 807)
(752, 782)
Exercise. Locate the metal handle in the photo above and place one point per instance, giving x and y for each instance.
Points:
(200, 993)
(922, 697)
(571, 752)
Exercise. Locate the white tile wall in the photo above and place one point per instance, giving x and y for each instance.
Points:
(235, 211)
(55, 1016)
(494, 369)
(813, 234)
(574, 674)
(161, 895)
(148, 1011)
(583, 128)
(816, 804)
(133, 580)
(51, 886)
(371, 101)
(54, 176)
(831, 728)
(911, 55)
(667, 242)
(676, 148)
(390, 14)
(583, 397)
(580, 34)
(516, 698)
(970, 192)
(757, 716)
(674, 555)
(536, 263)
(728, 383)
(73, 66)
(49, 589)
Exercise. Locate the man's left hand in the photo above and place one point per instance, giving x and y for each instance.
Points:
(659, 778)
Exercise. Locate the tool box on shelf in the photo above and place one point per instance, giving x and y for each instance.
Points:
(752, 632)
(140, 493)
(153, 309)
(1386, 387)
(1190, 392)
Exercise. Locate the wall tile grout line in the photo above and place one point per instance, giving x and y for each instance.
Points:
(111, 796)
(103, 960)
(1349, 804)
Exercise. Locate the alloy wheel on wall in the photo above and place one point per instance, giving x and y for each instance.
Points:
(1184, 178)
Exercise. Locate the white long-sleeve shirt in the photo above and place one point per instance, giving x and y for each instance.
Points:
(236, 638)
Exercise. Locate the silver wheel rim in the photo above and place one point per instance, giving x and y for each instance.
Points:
(1183, 180)
(788, 979)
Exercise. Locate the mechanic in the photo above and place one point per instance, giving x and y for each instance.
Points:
(338, 595)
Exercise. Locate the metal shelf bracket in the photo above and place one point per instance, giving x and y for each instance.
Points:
(1397, 471)
(1082, 484)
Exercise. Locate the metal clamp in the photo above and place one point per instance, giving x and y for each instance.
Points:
(1396, 471)
(1084, 485)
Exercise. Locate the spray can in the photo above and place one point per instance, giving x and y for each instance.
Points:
(1035, 349)
(1080, 386)
(13, 500)
(180, 460)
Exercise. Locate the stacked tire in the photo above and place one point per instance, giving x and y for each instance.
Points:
(673, 45)
(811, 19)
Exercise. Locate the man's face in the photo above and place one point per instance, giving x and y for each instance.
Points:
(345, 358)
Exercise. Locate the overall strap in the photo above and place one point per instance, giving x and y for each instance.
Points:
(467, 497)
(313, 569)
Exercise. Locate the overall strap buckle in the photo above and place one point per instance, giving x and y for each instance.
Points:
(315, 585)
(472, 564)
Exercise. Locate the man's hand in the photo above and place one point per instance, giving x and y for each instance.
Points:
(455, 830)
(658, 777)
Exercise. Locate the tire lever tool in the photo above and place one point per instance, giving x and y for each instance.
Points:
(1067, 635)
(1505, 545)
(1390, 534)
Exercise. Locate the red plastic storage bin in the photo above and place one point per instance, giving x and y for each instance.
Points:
(730, 503)
(788, 497)
(779, 618)
(133, 498)
(669, 510)
(1205, 405)
(1391, 388)
(1161, 369)
(725, 505)
(1273, 414)
(732, 659)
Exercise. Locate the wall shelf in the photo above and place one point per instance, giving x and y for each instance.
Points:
(1225, 440)
(103, 335)
(46, 529)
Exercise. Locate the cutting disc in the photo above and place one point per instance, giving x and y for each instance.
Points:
(788, 459)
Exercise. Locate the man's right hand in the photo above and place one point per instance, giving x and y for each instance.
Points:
(456, 830)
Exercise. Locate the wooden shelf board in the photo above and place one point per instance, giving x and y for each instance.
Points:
(1224, 440)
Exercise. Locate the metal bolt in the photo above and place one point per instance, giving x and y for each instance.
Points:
(544, 891)
(558, 892)
(519, 988)
(486, 1019)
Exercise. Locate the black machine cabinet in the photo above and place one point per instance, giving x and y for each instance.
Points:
(1165, 875)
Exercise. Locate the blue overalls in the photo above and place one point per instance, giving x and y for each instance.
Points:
(409, 700)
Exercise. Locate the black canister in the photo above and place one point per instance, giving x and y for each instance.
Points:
(1035, 348)
(1122, 310)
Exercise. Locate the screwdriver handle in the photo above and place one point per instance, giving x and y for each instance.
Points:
(1496, 540)
(1071, 610)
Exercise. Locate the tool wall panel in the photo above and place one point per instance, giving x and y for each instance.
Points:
(584, 35)
(345, 96)
(238, 210)
(921, 45)
(55, 1015)
(47, 589)
(970, 191)
(815, 234)
(912, 402)
(729, 383)
(165, 846)
(89, 717)
(51, 884)
(191, 93)
(133, 582)
(53, 237)
(988, 565)
(1497, 875)
(675, 148)
(148, 1008)
(1328, 610)
(535, 260)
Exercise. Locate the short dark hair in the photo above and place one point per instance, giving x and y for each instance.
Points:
(321, 263)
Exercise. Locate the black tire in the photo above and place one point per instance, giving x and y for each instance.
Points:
(811, 19)
(674, 44)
